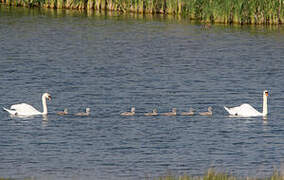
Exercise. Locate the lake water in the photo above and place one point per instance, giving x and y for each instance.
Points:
(113, 62)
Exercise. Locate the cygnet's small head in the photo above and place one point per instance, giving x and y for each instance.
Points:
(155, 110)
(47, 96)
(133, 109)
(210, 108)
(88, 110)
(265, 93)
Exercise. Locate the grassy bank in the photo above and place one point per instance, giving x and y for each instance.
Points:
(213, 175)
(210, 175)
(209, 11)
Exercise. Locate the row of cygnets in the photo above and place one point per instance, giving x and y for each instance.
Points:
(65, 112)
(191, 112)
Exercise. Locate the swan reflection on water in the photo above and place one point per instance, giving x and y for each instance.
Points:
(44, 117)
(44, 121)
(28, 118)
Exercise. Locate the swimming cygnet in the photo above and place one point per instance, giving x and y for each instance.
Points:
(209, 113)
(65, 112)
(87, 113)
(189, 113)
(132, 113)
(154, 113)
(173, 113)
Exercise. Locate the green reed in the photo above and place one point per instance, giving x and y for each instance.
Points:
(208, 11)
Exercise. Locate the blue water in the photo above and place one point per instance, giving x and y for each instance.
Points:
(113, 62)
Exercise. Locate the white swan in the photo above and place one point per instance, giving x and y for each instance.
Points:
(24, 109)
(246, 110)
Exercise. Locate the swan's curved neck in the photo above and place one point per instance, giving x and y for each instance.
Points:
(264, 106)
(44, 105)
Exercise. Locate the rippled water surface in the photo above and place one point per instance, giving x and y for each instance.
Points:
(111, 63)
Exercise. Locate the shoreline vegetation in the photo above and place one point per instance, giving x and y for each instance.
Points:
(211, 174)
(214, 175)
(265, 12)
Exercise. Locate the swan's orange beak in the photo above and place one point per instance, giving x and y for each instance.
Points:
(266, 93)
(49, 97)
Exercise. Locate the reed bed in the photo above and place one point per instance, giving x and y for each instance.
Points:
(207, 11)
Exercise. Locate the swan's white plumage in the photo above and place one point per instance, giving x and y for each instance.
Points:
(246, 110)
(24, 109)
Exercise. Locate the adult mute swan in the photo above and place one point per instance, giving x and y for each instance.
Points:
(246, 110)
(24, 109)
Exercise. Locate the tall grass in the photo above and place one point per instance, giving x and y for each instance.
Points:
(213, 175)
(211, 11)
(210, 175)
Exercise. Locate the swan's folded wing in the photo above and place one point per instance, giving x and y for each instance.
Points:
(244, 110)
(247, 110)
(24, 109)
